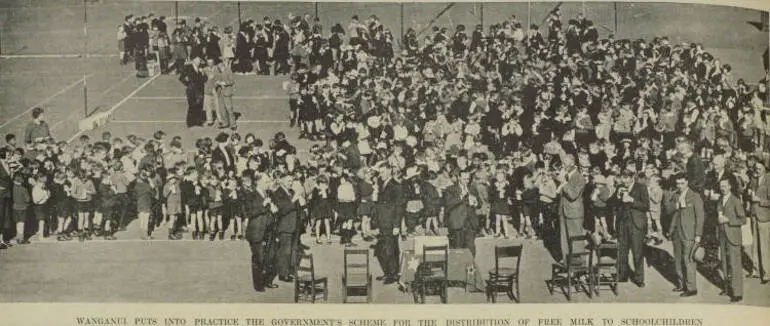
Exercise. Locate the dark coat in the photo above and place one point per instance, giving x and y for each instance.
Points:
(736, 216)
(390, 203)
(637, 210)
(287, 210)
(256, 231)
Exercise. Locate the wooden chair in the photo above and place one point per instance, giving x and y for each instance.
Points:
(356, 279)
(432, 273)
(306, 285)
(575, 271)
(605, 271)
(504, 278)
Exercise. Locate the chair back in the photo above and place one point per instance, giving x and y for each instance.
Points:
(511, 253)
(606, 252)
(305, 266)
(579, 251)
(435, 257)
(356, 261)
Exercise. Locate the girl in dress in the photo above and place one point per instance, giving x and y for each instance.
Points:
(500, 200)
(321, 208)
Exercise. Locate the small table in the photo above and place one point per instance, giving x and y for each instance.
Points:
(461, 269)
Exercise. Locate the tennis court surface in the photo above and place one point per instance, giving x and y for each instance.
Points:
(44, 64)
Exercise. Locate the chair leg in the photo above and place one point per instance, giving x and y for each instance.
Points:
(326, 290)
(296, 292)
(569, 287)
(312, 292)
(518, 292)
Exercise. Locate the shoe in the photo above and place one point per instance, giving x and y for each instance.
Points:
(389, 280)
(262, 289)
(110, 237)
(221, 235)
(286, 279)
(233, 237)
(639, 284)
(271, 286)
(723, 293)
(380, 278)
(686, 294)
(678, 289)
(172, 236)
(763, 282)
(241, 237)
(736, 299)
(350, 244)
(3, 246)
(752, 275)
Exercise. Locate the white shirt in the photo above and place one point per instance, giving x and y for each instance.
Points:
(346, 192)
(39, 195)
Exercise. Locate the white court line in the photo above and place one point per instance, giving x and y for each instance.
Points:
(183, 121)
(180, 98)
(46, 100)
(117, 105)
(56, 56)
(98, 97)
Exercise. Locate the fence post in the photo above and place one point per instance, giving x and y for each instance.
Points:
(85, 96)
(176, 12)
(401, 4)
(315, 7)
(239, 15)
(529, 14)
(85, 28)
(615, 5)
(482, 16)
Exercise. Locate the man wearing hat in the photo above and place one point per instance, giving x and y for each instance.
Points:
(685, 231)
(632, 226)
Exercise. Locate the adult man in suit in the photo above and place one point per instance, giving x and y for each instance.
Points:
(460, 213)
(243, 50)
(712, 196)
(388, 221)
(224, 152)
(730, 218)
(571, 210)
(287, 214)
(760, 198)
(632, 226)
(694, 166)
(259, 208)
(686, 231)
(193, 78)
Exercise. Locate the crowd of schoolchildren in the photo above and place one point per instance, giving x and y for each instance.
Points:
(505, 114)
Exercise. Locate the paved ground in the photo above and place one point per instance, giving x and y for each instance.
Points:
(190, 271)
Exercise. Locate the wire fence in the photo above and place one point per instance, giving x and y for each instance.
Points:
(73, 28)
